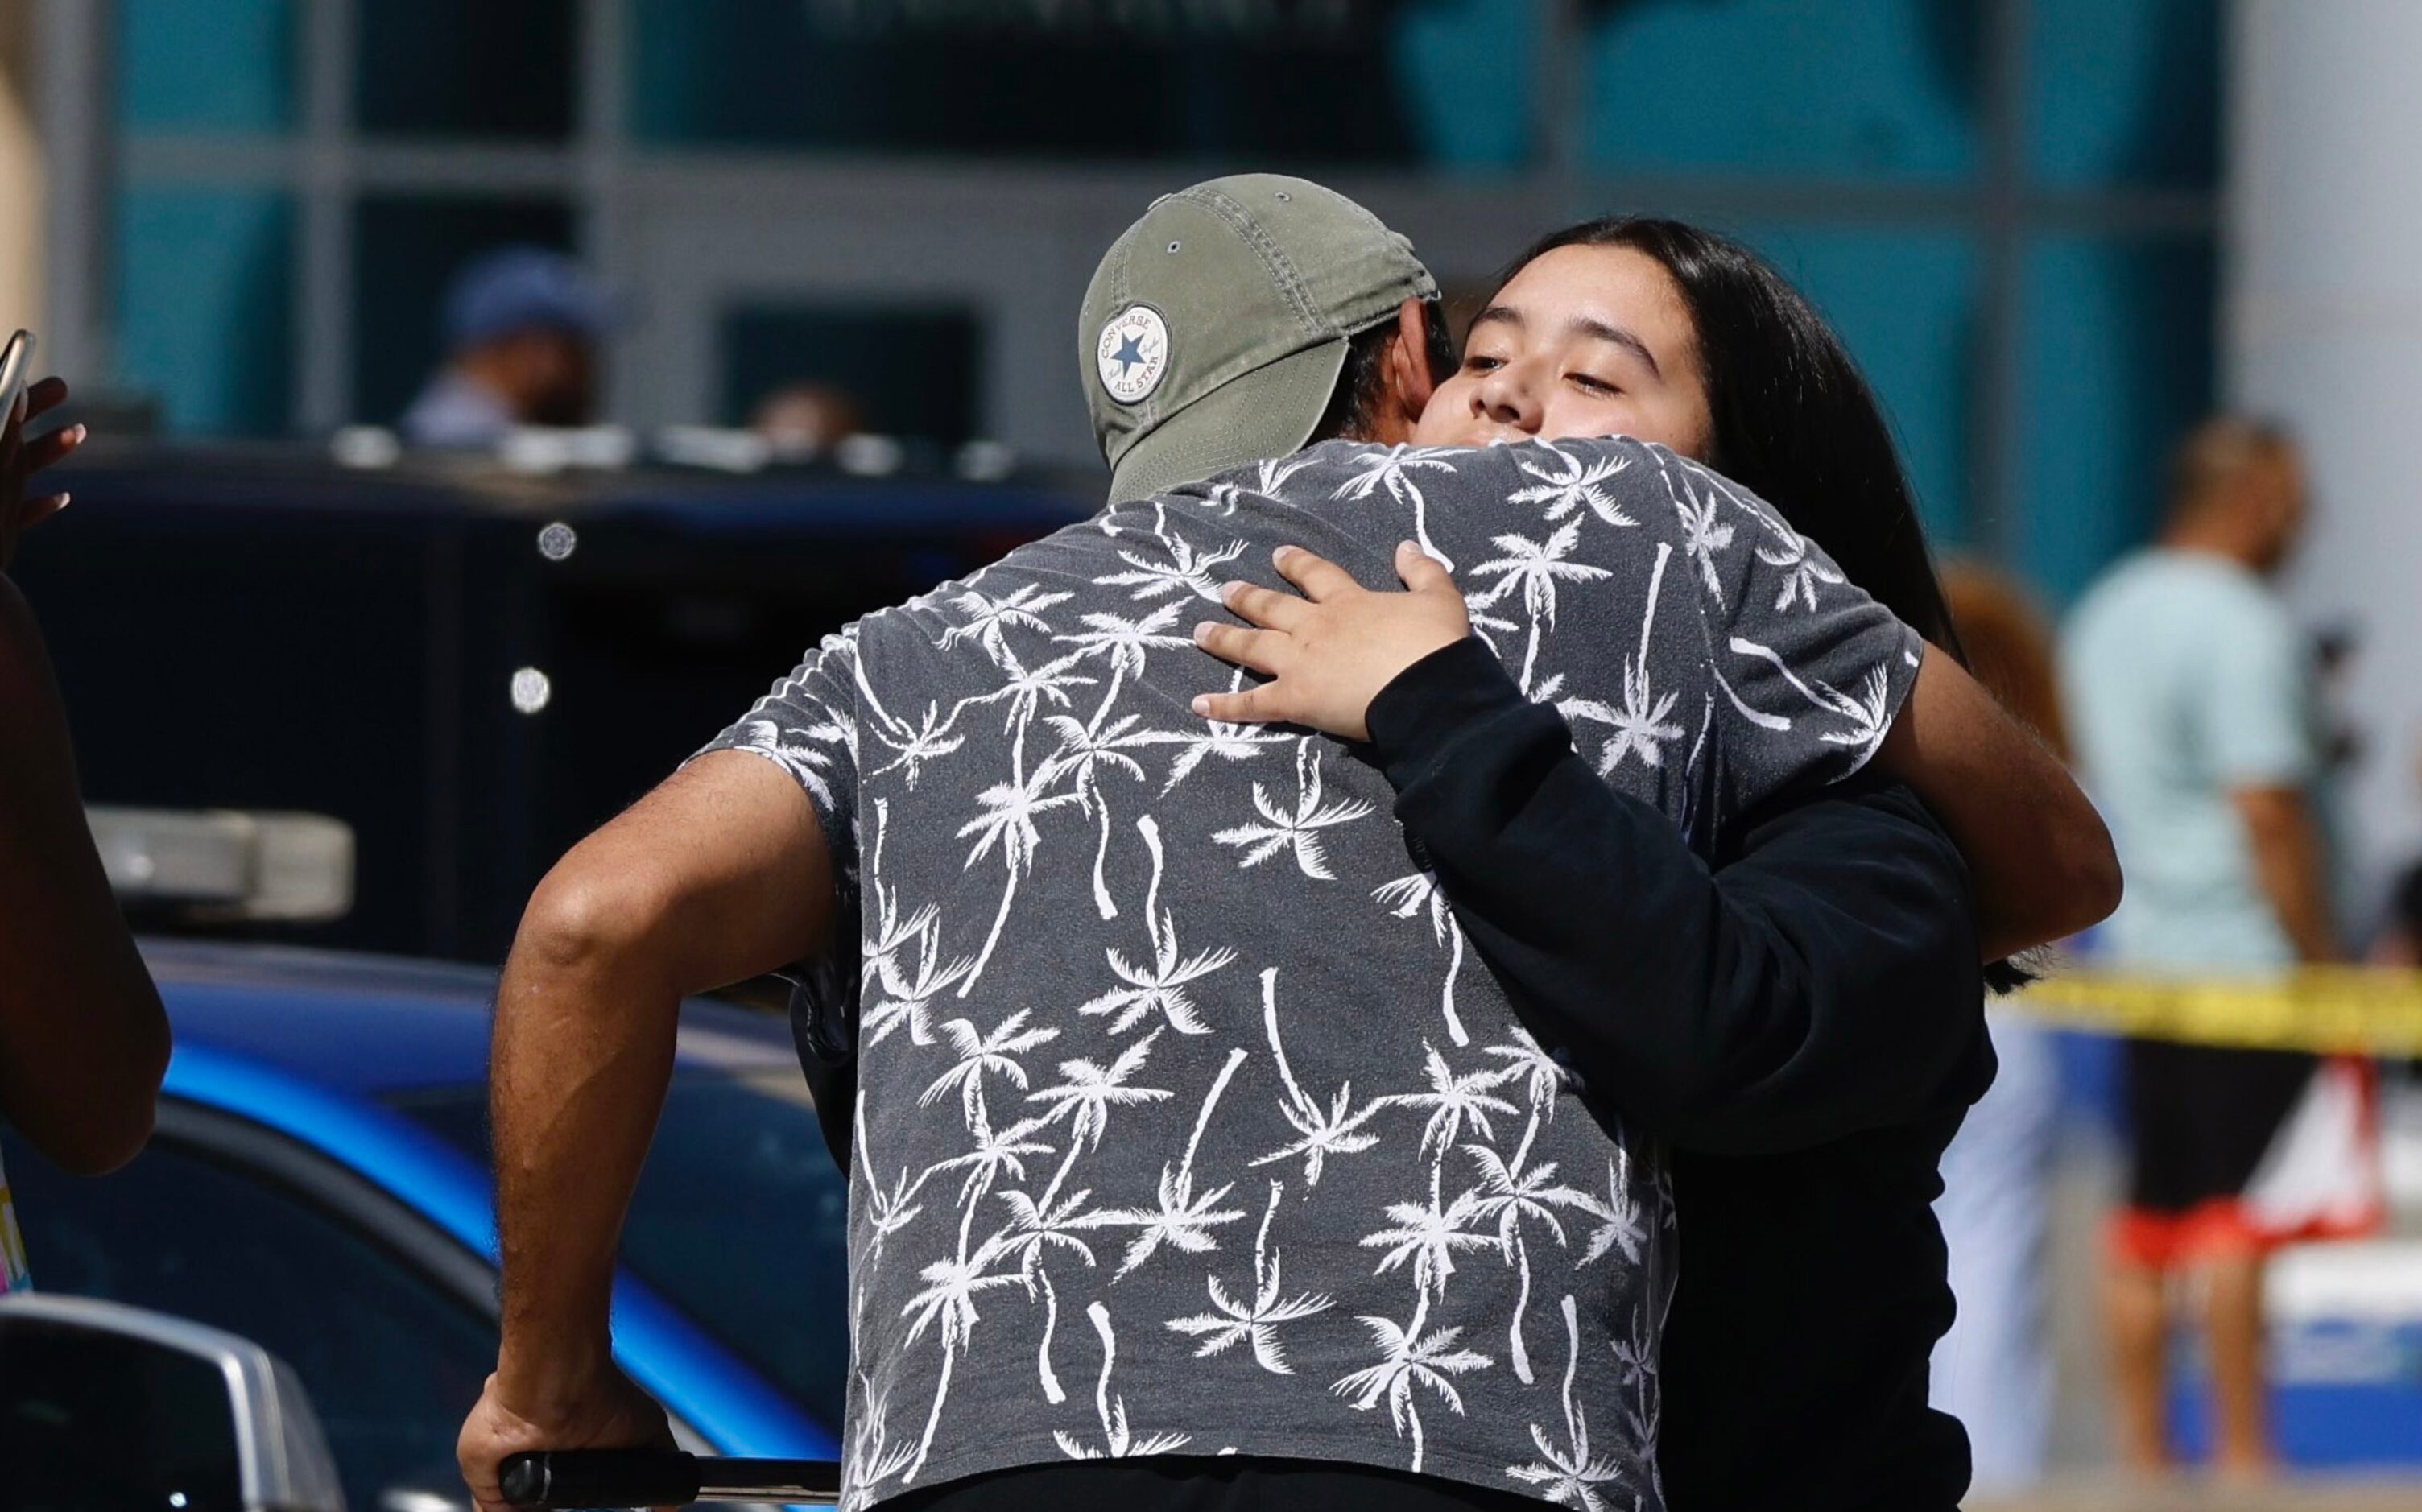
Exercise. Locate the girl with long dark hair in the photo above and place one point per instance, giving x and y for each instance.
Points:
(1802, 1028)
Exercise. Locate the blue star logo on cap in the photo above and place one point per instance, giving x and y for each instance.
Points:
(1131, 354)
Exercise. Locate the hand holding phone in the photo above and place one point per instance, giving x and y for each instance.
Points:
(20, 459)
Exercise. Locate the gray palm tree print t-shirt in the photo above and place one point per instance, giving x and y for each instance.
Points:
(1185, 1123)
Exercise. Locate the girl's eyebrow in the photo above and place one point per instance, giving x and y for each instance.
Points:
(1601, 330)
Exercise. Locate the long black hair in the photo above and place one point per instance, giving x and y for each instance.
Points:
(1794, 420)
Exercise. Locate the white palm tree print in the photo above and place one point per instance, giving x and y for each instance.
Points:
(979, 1053)
(1182, 1218)
(1703, 533)
(1119, 1442)
(1218, 737)
(1802, 568)
(901, 997)
(1619, 1225)
(953, 1284)
(890, 1211)
(1296, 831)
(1085, 1093)
(1427, 1235)
(1126, 641)
(1336, 1129)
(1010, 809)
(928, 741)
(1569, 484)
(1392, 471)
(988, 620)
(1410, 1358)
(1532, 568)
(1187, 571)
(1513, 1191)
(1567, 1475)
(1163, 984)
(1643, 725)
(1089, 747)
(1453, 1101)
(1420, 893)
(1231, 1322)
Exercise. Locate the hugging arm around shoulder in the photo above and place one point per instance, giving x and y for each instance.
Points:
(1824, 980)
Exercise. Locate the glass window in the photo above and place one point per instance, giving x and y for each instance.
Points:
(391, 1361)
(2117, 364)
(229, 66)
(912, 372)
(461, 68)
(2124, 91)
(730, 1151)
(406, 249)
(1343, 81)
(1904, 301)
(1838, 88)
(204, 319)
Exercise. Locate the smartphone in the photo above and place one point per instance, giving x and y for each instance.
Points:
(16, 359)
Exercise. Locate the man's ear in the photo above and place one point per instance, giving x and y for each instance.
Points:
(1409, 381)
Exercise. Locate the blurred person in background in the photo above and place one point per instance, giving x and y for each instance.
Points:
(804, 420)
(1993, 1370)
(84, 1041)
(524, 327)
(2190, 696)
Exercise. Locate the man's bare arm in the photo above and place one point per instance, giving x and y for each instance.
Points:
(2041, 857)
(720, 873)
(2288, 861)
(83, 1039)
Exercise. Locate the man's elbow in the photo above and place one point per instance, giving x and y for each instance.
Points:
(2091, 881)
(587, 917)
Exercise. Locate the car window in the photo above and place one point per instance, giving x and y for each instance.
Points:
(741, 1220)
(392, 1362)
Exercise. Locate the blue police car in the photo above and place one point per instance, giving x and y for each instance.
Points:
(319, 1183)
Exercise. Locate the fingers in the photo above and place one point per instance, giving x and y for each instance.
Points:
(47, 395)
(56, 447)
(1316, 576)
(1421, 572)
(1254, 649)
(1254, 705)
(37, 511)
(1264, 607)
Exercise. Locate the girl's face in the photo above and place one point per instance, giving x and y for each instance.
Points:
(1584, 341)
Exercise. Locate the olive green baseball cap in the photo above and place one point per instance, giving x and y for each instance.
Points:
(1216, 327)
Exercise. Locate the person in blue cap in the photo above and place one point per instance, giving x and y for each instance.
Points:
(523, 325)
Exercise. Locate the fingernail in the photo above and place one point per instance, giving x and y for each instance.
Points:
(1202, 705)
(66, 500)
(1281, 554)
(80, 434)
(1228, 591)
(1201, 631)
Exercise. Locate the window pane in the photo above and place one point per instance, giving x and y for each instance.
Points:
(204, 317)
(913, 372)
(461, 68)
(406, 249)
(2124, 91)
(1904, 302)
(391, 1362)
(2119, 363)
(1848, 88)
(227, 66)
(1343, 81)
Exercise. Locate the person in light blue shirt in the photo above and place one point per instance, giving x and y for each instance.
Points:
(2190, 693)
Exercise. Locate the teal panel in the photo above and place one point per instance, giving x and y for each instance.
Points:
(2116, 364)
(1469, 71)
(2124, 92)
(1904, 303)
(208, 66)
(1214, 86)
(1836, 89)
(204, 317)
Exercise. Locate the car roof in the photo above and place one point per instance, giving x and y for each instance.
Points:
(372, 1025)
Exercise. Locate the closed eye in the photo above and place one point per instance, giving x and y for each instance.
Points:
(1593, 386)
(1476, 363)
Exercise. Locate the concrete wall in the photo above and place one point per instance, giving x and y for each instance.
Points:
(2322, 327)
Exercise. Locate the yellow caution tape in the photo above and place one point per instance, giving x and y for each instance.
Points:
(2329, 1010)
